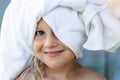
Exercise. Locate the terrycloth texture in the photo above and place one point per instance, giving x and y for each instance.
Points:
(77, 23)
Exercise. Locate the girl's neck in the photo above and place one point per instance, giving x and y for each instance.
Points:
(63, 71)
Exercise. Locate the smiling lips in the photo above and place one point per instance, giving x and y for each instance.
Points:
(53, 53)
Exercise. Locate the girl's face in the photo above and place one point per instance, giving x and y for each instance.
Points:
(49, 49)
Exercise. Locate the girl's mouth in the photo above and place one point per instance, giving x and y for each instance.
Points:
(53, 53)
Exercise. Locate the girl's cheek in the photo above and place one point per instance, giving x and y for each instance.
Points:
(37, 45)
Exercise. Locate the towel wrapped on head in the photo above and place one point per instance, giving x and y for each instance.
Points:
(77, 23)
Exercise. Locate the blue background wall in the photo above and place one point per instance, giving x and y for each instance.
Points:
(105, 63)
(3, 5)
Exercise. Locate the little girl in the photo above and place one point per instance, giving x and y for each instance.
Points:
(58, 60)
(41, 39)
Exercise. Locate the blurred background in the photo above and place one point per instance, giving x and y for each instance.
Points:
(107, 64)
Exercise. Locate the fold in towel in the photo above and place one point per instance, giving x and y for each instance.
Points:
(77, 23)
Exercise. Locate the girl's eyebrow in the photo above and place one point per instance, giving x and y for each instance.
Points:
(38, 28)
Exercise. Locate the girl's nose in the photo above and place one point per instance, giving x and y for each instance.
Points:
(51, 41)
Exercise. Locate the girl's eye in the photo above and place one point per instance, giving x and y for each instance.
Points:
(39, 33)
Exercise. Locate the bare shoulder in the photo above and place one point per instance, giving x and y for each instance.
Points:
(94, 75)
(26, 75)
(88, 74)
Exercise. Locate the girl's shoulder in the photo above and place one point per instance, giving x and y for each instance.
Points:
(87, 74)
(26, 75)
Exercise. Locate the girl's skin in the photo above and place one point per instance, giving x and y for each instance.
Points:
(60, 61)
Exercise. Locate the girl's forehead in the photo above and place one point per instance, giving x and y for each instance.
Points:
(42, 24)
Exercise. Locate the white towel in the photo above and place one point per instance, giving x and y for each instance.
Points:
(77, 23)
